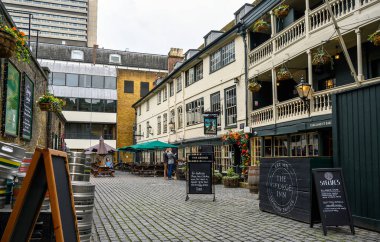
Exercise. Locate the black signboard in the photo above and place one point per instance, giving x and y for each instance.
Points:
(27, 108)
(330, 193)
(199, 176)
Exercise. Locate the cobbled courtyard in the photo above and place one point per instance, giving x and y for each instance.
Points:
(132, 208)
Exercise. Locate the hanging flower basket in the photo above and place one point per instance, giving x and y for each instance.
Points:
(261, 26)
(50, 103)
(254, 86)
(281, 11)
(375, 38)
(321, 57)
(283, 74)
(7, 44)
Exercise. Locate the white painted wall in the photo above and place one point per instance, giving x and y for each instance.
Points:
(89, 117)
(211, 83)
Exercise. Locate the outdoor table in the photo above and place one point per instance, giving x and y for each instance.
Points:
(103, 170)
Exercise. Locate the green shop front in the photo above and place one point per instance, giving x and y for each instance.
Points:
(287, 152)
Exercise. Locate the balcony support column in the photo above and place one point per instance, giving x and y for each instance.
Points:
(359, 54)
(307, 19)
(309, 67)
(273, 23)
(274, 94)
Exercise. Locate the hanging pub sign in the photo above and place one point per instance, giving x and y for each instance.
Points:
(199, 176)
(210, 123)
(12, 100)
(27, 108)
(329, 192)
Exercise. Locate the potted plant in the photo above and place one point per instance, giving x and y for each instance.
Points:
(321, 57)
(283, 74)
(13, 42)
(217, 178)
(254, 86)
(231, 179)
(281, 11)
(261, 26)
(375, 38)
(48, 102)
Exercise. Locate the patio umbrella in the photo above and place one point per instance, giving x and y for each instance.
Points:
(102, 150)
(95, 148)
(158, 145)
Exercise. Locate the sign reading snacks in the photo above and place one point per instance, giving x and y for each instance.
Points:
(330, 193)
(210, 123)
(199, 176)
(48, 171)
(27, 109)
(12, 99)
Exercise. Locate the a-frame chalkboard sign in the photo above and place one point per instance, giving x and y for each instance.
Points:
(48, 171)
(329, 199)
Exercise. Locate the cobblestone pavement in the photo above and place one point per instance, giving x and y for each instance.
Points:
(131, 208)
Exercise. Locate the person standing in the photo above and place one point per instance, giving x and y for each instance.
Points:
(165, 164)
(171, 161)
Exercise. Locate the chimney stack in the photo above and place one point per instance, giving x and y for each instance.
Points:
(175, 55)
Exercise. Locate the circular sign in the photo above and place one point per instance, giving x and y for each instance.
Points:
(282, 187)
(329, 176)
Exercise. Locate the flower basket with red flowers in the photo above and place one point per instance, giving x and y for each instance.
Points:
(281, 11)
(13, 42)
(49, 102)
(375, 38)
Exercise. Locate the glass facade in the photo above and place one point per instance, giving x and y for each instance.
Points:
(90, 105)
(87, 81)
(90, 131)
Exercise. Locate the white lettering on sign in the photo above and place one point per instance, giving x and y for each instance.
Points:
(320, 124)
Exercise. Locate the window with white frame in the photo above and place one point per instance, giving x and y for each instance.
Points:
(180, 117)
(171, 89)
(139, 110)
(158, 97)
(194, 74)
(194, 111)
(77, 55)
(222, 57)
(115, 58)
(215, 105)
(148, 129)
(165, 94)
(179, 84)
(165, 121)
(147, 105)
(158, 125)
(139, 132)
(230, 103)
(172, 119)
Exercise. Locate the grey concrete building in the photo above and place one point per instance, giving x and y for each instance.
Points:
(70, 22)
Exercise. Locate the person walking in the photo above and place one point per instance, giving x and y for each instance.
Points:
(171, 161)
(165, 164)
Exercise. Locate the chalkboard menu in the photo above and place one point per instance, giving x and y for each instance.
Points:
(12, 100)
(27, 108)
(330, 194)
(200, 177)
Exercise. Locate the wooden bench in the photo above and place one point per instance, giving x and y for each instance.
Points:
(103, 171)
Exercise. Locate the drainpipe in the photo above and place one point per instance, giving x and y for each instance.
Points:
(243, 34)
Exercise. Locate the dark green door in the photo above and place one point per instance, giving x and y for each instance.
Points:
(356, 140)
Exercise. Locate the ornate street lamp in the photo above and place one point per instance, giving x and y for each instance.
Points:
(303, 90)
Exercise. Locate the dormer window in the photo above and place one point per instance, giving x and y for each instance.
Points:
(115, 58)
(77, 55)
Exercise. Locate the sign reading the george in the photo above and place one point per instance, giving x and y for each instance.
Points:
(204, 157)
(282, 187)
(12, 100)
(27, 109)
(200, 178)
(330, 193)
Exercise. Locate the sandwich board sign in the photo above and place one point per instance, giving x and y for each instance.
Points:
(329, 192)
(48, 171)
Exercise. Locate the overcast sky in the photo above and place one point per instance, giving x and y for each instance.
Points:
(153, 26)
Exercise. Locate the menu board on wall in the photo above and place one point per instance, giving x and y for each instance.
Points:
(12, 100)
(27, 108)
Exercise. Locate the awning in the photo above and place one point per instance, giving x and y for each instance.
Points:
(152, 145)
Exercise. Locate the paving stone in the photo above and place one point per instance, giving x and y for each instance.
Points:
(132, 208)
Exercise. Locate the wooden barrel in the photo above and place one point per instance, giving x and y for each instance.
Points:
(253, 179)
(3, 193)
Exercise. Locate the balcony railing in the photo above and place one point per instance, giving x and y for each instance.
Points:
(317, 19)
(293, 109)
